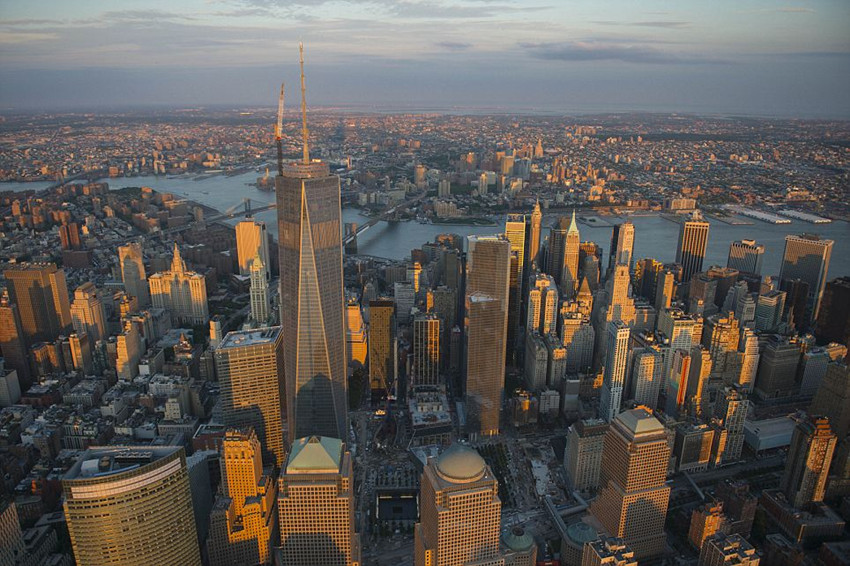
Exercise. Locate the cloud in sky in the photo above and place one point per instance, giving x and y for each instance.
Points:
(365, 49)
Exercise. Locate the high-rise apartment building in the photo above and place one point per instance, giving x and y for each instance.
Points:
(131, 263)
(426, 350)
(243, 522)
(181, 292)
(833, 322)
(607, 551)
(542, 315)
(746, 256)
(488, 273)
(316, 505)
(252, 241)
(311, 298)
(87, 312)
(693, 241)
(583, 454)
(633, 497)
(249, 366)
(259, 292)
(131, 506)
(460, 511)
(809, 457)
(41, 294)
(806, 258)
(622, 245)
(13, 346)
(381, 364)
(614, 379)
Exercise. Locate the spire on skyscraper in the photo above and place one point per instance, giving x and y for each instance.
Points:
(304, 132)
(573, 226)
(177, 263)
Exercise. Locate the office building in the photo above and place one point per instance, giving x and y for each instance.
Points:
(252, 241)
(692, 447)
(311, 297)
(10, 387)
(556, 248)
(381, 362)
(488, 274)
(746, 256)
(731, 412)
(181, 292)
(578, 337)
(355, 334)
(515, 234)
(647, 376)
(770, 307)
(12, 546)
(777, 371)
(693, 241)
(569, 275)
(728, 550)
(633, 497)
(607, 551)
(249, 366)
(542, 306)
(87, 313)
(720, 336)
(832, 399)
(259, 292)
(426, 350)
(833, 322)
(614, 379)
(748, 348)
(131, 506)
(533, 238)
(40, 292)
(665, 290)
(706, 520)
(243, 521)
(13, 346)
(806, 258)
(316, 505)
(460, 511)
(622, 245)
(131, 263)
(583, 454)
(809, 457)
(128, 352)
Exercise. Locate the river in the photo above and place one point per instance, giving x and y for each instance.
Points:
(655, 236)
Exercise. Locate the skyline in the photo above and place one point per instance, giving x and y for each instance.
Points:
(758, 58)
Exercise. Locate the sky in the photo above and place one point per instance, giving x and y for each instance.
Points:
(753, 57)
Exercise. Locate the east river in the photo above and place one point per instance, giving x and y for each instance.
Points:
(655, 236)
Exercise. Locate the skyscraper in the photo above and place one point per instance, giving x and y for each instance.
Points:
(632, 503)
(13, 346)
(488, 273)
(252, 241)
(311, 296)
(532, 254)
(693, 241)
(426, 350)
(244, 517)
(356, 341)
(259, 293)
(41, 294)
(460, 511)
(808, 461)
(131, 506)
(614, 379)
(807, 258)
(834, 316)
(665, 290)
(622, 245)
(515, 234)
(87, 313)
(133, 272)
(249, 366)
(745, 256)
(542, 306)
(569, 276)
(316, 505)
(180, 292)
(556, 248)
(381, 365)
(583, 453)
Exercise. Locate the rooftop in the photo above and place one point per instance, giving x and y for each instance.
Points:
(315, 454)
(640, 421)
(460, 464)
(109, 460)
(253, 337)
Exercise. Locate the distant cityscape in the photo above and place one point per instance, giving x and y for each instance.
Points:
(184, 383)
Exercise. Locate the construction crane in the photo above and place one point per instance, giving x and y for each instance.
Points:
(278, 132)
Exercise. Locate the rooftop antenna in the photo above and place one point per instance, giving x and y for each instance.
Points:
(304, 132)
(278, 129)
